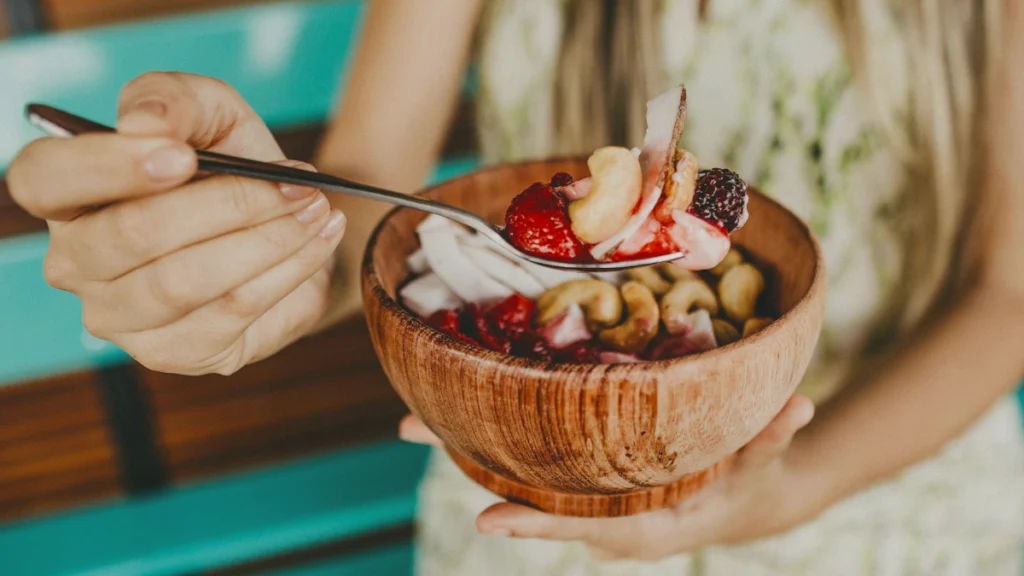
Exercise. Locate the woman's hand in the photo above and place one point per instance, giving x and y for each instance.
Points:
(189, 276)
(762, 494)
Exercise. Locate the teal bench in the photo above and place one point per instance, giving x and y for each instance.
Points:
(289, 62)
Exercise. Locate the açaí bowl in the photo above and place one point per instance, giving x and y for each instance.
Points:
(594, 440)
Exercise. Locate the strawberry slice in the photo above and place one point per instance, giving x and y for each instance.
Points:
(475, 324)
(512, 315)
(537, 221)
(530, 345)
(447, 321)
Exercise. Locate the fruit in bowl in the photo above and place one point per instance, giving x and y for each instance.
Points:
(593, 394)
(634, 204)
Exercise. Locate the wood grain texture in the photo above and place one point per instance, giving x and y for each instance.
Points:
(4, 29)
(73, 14)
(55, 448)
(609, 433)
(322, 393)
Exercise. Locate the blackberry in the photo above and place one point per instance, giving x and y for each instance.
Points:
(561, 179)
(720, 198)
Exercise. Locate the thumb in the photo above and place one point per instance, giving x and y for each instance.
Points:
(773, 440)
(202, 111)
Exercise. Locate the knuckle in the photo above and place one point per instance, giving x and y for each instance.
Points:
(93, 322)
(147, 82)
(58, 270)
(170, 287)
(222, 86)
(20, 179)
(241, 303)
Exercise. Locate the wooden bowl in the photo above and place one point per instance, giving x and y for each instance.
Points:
(594, 440)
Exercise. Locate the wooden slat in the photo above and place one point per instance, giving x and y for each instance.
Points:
(72, 14)
(4, 30)
(55, 449)
(322, 393)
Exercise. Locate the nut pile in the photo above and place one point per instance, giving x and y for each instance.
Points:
(652, 314)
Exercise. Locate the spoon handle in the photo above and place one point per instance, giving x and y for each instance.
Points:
(60, 123)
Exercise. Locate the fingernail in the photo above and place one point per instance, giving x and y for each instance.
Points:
(293, 192)
(314, 211)
(333, 227)
(500, 532)
(168, 162)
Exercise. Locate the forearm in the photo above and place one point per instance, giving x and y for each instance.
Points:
(920, 399)
(391, 123)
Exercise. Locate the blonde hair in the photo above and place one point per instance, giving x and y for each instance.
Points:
(610, 63)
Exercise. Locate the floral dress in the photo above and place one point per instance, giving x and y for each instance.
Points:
(771, 97)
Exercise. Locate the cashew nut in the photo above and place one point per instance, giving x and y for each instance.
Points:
(600, 301)
(725, 333)
(739, 289)
(676, 273)
(615, 189)
(641, 324)
(684, 296)
(731, 259)
(755, 325)
(649, 277)
(680, 187)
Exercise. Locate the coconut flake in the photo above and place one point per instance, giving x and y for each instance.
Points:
(644, 236)
(616, 277)
(704, 244)
(504, 270)
(447, 260)
(428, 294)
(647, 205)
(661, 115)
(701, 334)
(566, 329)
(417, 262)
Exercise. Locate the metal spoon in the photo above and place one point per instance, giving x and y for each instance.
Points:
(59, 123)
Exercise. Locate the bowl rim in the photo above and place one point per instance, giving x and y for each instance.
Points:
(371, 287)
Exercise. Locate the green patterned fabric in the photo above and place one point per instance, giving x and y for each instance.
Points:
(770, 96)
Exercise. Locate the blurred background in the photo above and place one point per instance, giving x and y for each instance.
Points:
(290, 466)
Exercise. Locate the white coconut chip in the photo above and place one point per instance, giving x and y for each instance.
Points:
(417, 262)
(458, 272)
(428, 294)
(504, 270)
(631, 227)
(548, 277)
